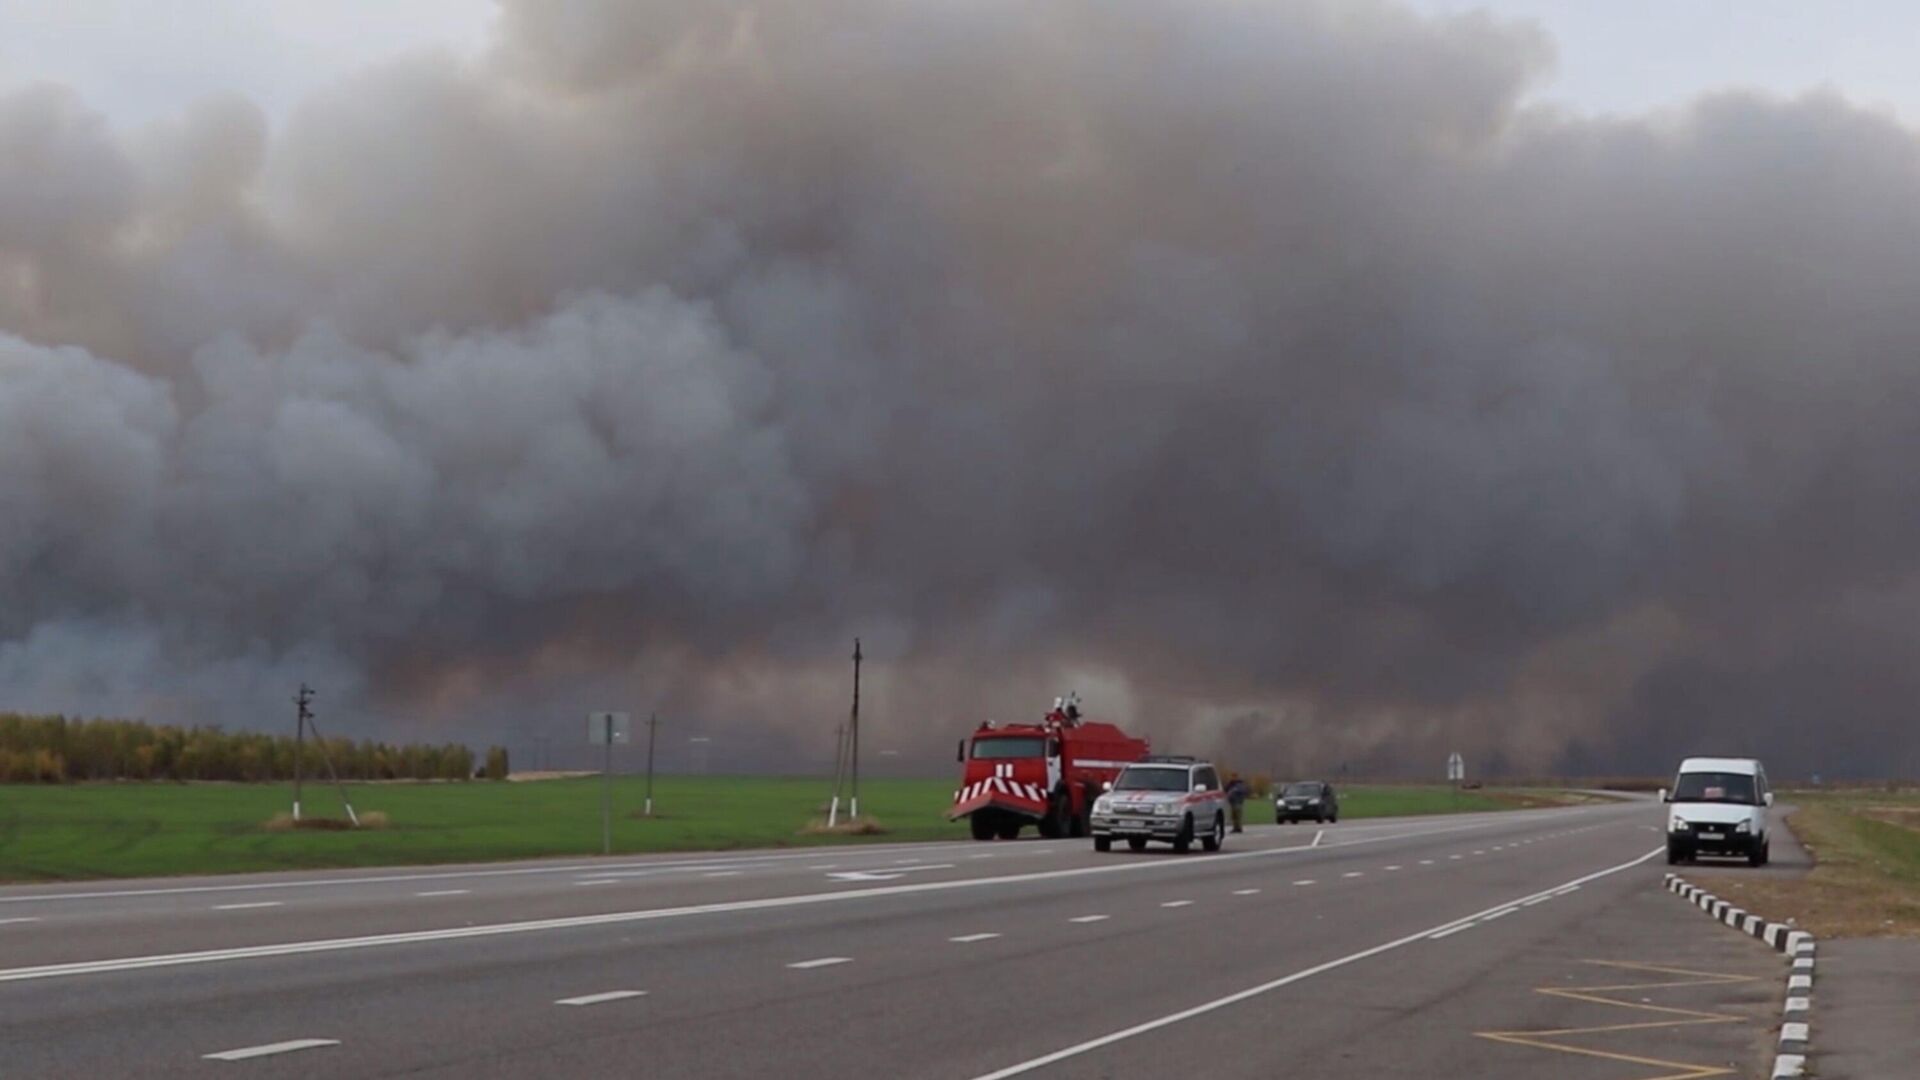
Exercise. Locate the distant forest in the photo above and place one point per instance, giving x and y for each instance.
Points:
(55, 749)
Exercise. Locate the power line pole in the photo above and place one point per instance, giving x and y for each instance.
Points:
(653, 723)
(853, 734)
(299, 736)
(320, 744)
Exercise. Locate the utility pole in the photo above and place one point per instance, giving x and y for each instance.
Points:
(853, 734)
(653, 723)
(299, 736)
(320, 744)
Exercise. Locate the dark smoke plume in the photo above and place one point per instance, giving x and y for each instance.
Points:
(1270, 373)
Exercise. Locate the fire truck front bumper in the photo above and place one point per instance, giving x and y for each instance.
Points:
(1010, 796)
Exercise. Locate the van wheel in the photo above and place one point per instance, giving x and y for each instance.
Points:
(1673, 855)
(1758, 856)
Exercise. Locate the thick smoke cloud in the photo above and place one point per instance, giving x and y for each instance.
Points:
(1268, 372)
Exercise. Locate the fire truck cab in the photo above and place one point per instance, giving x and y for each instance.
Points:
(1046, 774)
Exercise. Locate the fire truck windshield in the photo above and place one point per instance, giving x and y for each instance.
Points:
(1012, 747)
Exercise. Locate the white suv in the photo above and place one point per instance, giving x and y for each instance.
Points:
(1718, 806)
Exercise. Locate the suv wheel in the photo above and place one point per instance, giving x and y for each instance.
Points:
(1184, 841)
(1217, 836)
(1103, 843)
(1137, 843)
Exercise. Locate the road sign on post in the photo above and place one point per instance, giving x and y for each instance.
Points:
(1456, 767)
(607, 729)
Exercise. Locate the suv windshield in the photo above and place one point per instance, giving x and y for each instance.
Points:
(1302, 789)
(1001, 749)
(1714, 787)
(1138, 779)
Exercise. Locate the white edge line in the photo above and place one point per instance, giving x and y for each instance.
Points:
(1449, 931)
(1267, 987)
(287, 1047)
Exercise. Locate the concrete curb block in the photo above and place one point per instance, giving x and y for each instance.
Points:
(1796, 1032)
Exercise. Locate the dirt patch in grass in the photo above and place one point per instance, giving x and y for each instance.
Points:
(372, 819)
(866, 826)
(1866, 876)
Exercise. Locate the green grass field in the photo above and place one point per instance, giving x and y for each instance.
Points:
(138, 830)
(1866, 876)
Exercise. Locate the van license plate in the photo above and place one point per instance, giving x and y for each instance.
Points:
(1713, 836)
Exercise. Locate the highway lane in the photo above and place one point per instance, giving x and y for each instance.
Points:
(938, 960)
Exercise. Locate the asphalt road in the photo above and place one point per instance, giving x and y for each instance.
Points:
(956, 960)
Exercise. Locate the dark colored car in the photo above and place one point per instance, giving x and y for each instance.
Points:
(1306, 800)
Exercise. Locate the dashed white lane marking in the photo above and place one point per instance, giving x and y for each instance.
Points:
(1177, 903)
(1479, 853)
(1500, 913)
(444, 892)
(1537, 900)
(982, 855)
(1449, 931)
(1393, 868)
(968, 939)
(1426, 862)
(270, 1049)
(825, 961)
(1089, 918)
(1307, 881)
(723, 873)
(595, 999)
(23, 918)
(825, 866)
(1453, 856)
(1251, 992)
(599, 881)
(1354, 873)
(1245, 892)
(244, 907)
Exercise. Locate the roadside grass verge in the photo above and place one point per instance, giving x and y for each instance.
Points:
(80, 831)
(1866, 876)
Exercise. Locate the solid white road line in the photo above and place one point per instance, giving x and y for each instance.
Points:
(1537, 900)
(270, 1049)
(244, 907)
(1450, 930)
(1268, 987)
(445, 892)
(825, 961)
(1177, 903)
(968, 939)
(293, 948)
(1089, 918)
(595, 999)
(1499, 914)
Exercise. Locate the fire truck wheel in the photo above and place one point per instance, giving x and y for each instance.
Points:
(1103, 843)
(981, 826)
(1137, 843)
(1184, 841)
(1009, 830)
(1216, 836)
(1054, 825)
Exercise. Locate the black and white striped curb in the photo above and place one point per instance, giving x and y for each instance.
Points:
(1791, 1061)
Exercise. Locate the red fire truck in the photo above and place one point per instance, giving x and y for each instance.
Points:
(1046, 774)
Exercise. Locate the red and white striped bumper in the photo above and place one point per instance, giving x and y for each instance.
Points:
(1001, 794)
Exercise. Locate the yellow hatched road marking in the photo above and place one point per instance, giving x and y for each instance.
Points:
(1546, 1039)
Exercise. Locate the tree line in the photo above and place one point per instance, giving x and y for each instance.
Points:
(56, 749)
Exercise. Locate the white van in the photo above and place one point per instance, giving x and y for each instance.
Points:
(1718, 806)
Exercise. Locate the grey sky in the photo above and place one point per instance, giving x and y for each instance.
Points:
(139, 61)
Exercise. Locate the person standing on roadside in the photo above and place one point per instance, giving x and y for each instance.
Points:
(1237, 792)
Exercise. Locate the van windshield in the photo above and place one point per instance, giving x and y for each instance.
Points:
(1717, 787)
